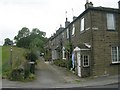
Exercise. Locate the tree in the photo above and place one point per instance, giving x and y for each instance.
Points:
(36, 31)
(24, 32)
(7, 41)
(37, 43)
(33, 39)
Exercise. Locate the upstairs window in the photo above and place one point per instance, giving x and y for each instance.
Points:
(67, 33)
(73, 30)
(82, 24)
(115, 54)
(63, 35)
(110, 22)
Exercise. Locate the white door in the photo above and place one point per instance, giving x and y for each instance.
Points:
(79, 63)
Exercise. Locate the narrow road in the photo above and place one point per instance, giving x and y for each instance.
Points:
(51, 76)
(46, 77)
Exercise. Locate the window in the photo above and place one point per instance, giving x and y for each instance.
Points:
(73, 30)
(63, 53)
(63, 34)
(85, 61)
(82, 24)
(110, 22)
(116, 54)
(67, 33)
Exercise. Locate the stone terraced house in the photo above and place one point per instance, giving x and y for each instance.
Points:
(92, 40)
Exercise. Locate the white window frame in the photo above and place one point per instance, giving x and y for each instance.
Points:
(84, 57)
(63, 34)
(115, 54)
(63, 53)
(67, 33)
(82, 27)
(110, 21)
(73, 30)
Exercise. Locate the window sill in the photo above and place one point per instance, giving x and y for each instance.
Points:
(86, 66)
(114, 64)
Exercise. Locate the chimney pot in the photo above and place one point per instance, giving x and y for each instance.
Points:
(74, 17)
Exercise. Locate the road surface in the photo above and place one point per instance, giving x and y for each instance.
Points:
(50, 76)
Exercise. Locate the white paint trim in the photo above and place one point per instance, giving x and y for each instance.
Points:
(84, 49)
(95, 28)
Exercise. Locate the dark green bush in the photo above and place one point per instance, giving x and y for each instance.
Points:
(61, 63)
(69, 64)
(64, 63)
(31, 57)
(16, 74)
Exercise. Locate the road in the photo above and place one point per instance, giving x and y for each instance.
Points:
(49, 76)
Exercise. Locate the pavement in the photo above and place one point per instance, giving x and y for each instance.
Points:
(51, 76)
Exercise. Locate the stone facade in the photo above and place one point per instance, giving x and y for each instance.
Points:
(95, 39)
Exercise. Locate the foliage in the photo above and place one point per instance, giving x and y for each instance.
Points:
(64, 63)
(31, 57)
(19, 74)
(34, 39)
(7, 41)
(37, 43)
(69, 64)
(68, 46)
(17, 58)
(61, 63)
(31, 76)
(24, 32)
(16, 74)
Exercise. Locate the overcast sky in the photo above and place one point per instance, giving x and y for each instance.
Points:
(46, 15)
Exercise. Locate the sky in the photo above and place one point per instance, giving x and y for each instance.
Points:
(46, 15)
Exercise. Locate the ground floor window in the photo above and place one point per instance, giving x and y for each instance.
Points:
(85, 60)
(115, 51)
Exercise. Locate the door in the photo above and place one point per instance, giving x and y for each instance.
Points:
(79, 63)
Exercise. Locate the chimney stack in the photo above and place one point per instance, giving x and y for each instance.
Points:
(74, 18)
(66, 23)
(88, 4)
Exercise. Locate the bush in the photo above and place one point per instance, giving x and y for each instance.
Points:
(31, 57)
(64, 63)
(61, 63)
(31, 76)
(16, 74)
(69, 64)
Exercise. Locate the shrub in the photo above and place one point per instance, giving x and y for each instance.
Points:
(69, 64)
(61, 63)
(31, 76)
(64, 63)
(31, 57)
(16, 74)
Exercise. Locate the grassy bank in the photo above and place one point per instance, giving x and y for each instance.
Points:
(17, 58)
